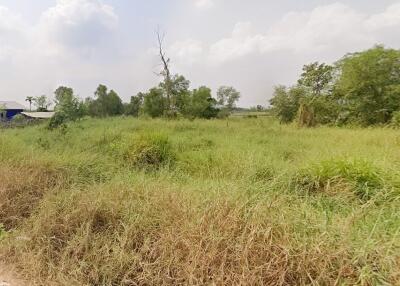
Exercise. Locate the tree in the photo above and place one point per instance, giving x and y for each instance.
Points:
(368, 86)
(30, 100)
(41, 103)
(155, 103)
(315, 79)
(66, 103)
(133, 108)
(202, 104)
(286, 102)
(180, 93)
(165, 61)
(107, 103)
(228, 96)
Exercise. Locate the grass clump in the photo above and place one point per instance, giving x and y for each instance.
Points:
(358, 176)
(149, 151)
(21, 190)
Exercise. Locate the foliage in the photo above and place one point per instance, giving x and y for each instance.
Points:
(41, 103)
(149, 151)
(107, 103)
(133, 108)
(286, 102)
(19, 118)
(362, 88)
(155, 103)
(358, 176)
(316, 78)
(202, 104)
(67, 105)
(396, 119)
(369, 85)
(228, 96)
(58, 120)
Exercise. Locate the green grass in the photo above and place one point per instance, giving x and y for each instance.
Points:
(122, 201)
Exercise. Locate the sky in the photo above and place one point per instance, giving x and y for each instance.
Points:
(252, 45)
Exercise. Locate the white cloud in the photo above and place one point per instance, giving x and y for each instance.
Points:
(389, 18)
(189, 51)
(12, 35)
(204, 4)
(80, 25)
(332, 27)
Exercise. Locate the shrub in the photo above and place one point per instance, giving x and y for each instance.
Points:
(360, 177)
(396, 119)
(150, 151)
(58, 120)
(19, 118)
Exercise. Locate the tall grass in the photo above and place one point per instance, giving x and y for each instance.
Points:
(147, 202)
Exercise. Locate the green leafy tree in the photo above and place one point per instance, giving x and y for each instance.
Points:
(107, 103)
(286, 102)
(41, 103)
(134, 106)
(155, 104)
(66, 103)
(202, 104)
(316, 79)
(228, 96)
(368, 86)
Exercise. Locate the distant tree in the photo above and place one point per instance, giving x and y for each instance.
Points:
(259, 108)
(107, 103)
(165, 73)
(228, 96)
(67, 107)
(316, 80)
(368, 86)
(202, 104)
(133, 108)
(180, 93)
(30, 100)
(286, 102)
(66, 103)
(41, 103)
(155, 103)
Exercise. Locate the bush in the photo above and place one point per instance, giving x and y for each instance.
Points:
(396, 119)
(58, 120)
(150, 151)
(19, 118)
(360, 177)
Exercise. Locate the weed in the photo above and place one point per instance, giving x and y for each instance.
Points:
(149, 151)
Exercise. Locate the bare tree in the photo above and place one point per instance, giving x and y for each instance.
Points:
(165, 61)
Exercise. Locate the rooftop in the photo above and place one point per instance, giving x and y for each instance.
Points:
(11, 105)
(39, 115)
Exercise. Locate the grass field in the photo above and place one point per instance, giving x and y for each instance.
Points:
(247, 201)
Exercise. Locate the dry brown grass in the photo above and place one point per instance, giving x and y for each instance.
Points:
(157, 235)
(22, 188)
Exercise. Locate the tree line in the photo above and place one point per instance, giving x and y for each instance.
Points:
(181, 102)
(361, 88)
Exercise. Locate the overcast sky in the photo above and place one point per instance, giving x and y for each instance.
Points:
(252, 45)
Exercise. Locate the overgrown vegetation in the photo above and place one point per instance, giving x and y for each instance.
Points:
(362, 88)
(124, 201)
